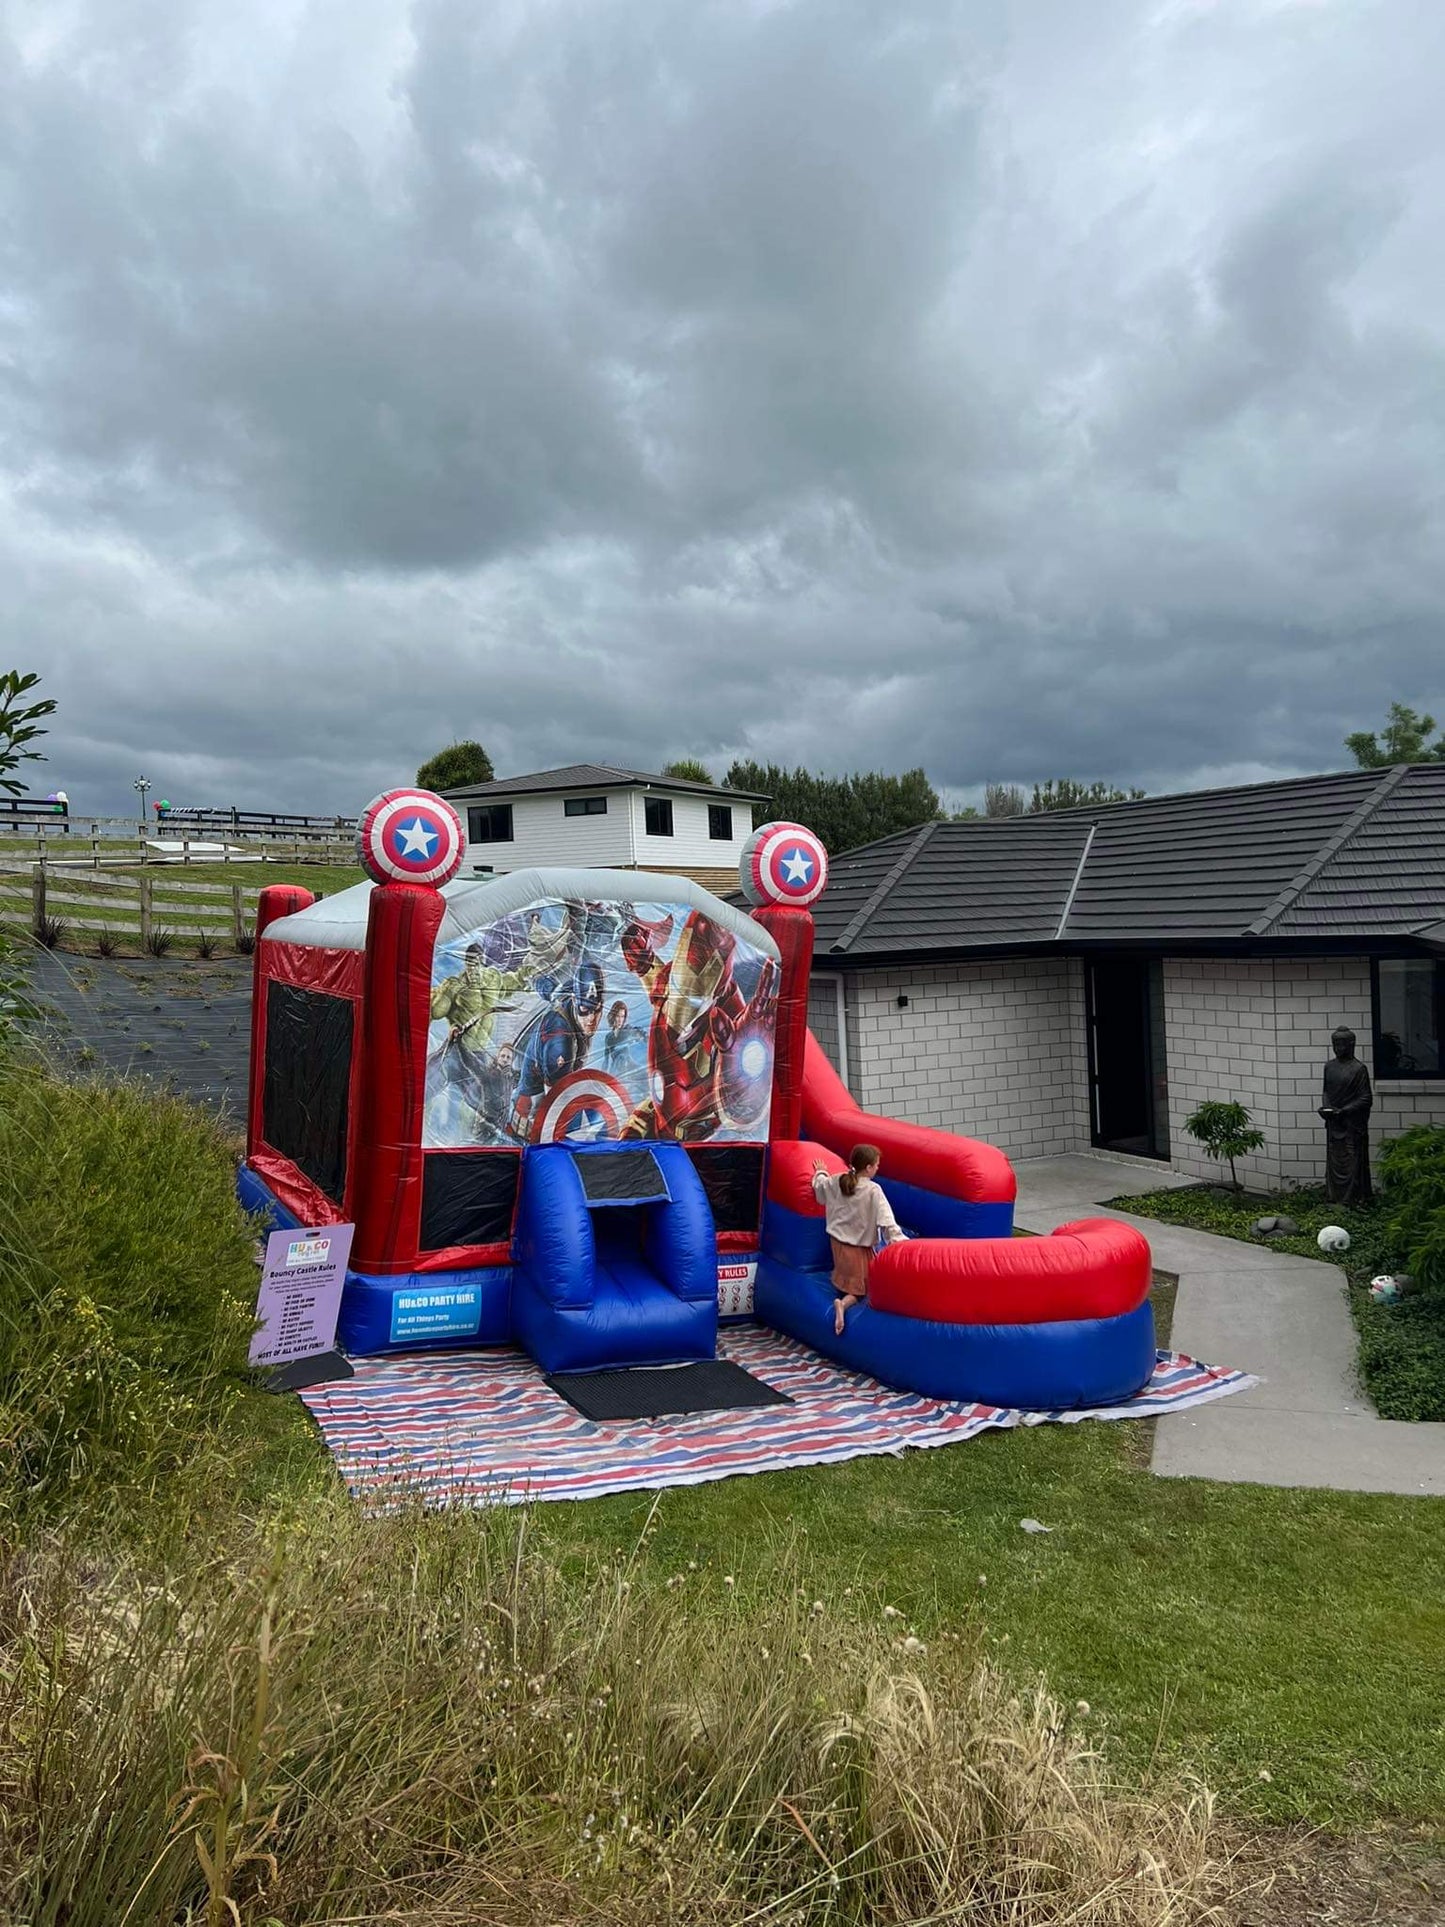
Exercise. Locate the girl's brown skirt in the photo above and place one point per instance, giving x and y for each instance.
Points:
(850, 1268)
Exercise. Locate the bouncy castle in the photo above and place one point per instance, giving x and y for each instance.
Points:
(579, 1111)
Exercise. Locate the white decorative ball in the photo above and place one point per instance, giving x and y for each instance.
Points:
(1334, 1237)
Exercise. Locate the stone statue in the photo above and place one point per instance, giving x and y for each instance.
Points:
(1348, 1099)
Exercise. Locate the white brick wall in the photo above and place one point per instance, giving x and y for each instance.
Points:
(998, 1051)
(1219, 1022)
(1259, 1031)
(994, 1051)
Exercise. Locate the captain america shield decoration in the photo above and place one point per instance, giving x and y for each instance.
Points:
(584, 1107)
(410, 836)
(783, 863)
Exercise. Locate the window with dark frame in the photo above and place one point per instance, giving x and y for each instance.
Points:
(489, 823)
(1409, 1017)
(584, 806)
(657, 810)
(720, 822)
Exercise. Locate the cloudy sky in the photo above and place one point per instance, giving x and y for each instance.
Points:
(1018, 387)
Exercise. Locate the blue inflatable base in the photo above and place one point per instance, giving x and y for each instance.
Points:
(1065, 1366)
(407, 1311)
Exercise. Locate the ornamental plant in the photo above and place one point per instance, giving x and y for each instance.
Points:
(1226, 1132)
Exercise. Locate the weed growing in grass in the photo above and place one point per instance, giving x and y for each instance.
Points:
(419, 1718)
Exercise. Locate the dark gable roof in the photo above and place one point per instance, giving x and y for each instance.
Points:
(1360, 854)
(592, 776)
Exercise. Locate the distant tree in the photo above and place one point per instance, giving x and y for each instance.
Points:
(19, 726)
(454, 767)
(1003, 799)
(688, 769)
(845, 811)
(1063, 793)
(1402, 740)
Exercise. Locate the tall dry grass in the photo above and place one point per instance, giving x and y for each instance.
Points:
(420, 1719)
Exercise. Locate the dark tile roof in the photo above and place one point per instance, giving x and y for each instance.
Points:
(591, 776)
(1358, 854)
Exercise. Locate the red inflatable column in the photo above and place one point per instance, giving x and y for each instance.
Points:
(401, 931)
(783, 871)
(792, 931)
(275, 901)
(410, 842)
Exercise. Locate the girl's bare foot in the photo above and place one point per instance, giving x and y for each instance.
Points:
(841, 1307)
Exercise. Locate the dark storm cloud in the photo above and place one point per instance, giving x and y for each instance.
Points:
(1021, 391)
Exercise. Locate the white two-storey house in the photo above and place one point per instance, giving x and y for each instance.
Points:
(592, 816)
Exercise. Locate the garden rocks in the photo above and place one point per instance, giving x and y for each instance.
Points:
(1278, 1227)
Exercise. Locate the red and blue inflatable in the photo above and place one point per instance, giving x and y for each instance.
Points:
(572, 1110)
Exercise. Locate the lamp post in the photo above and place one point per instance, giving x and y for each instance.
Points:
(142, 784)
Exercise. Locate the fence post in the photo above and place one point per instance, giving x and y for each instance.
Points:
(146, 887)
(238, 915)
(37, 893)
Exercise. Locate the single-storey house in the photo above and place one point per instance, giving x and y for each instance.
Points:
(592, 816)
(1085, 978)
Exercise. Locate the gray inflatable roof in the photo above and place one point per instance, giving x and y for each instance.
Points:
(339, 922)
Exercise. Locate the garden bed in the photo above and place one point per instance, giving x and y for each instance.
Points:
(1402, 1346)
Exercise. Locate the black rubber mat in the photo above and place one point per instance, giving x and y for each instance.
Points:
(663, 1391)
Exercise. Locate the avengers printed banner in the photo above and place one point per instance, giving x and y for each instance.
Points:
(575, 1021)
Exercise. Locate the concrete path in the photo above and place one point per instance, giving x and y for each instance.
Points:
(1268, 1312)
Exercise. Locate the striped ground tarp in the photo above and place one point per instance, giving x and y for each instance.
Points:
(482, 1428)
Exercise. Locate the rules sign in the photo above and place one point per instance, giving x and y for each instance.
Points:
(300, 1293)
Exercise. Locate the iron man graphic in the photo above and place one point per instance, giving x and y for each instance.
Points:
(709, 1049)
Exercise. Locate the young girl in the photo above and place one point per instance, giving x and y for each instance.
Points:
(857, 1215)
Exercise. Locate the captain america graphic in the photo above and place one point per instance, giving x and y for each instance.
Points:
(556, 1042)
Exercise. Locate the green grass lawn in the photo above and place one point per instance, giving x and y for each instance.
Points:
(1402, 1346)
(1253, 1632)
(324, 877)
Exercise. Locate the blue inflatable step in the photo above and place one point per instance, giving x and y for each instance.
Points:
(615, 1258)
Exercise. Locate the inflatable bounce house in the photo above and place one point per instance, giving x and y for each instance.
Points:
(580, 1112)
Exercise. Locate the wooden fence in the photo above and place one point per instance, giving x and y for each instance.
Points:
(131, 908)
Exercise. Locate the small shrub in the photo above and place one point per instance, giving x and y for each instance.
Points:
(1225, 1131)
(1412, 1171)
(106, 944)
(160, 943)
(50, 932)
(246, 941)
(207, 944)
(1402, 1353)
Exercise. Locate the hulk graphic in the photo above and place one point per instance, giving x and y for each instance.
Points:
(469, 1003)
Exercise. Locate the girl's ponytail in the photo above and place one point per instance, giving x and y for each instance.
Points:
(859, 1159)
